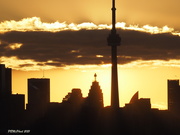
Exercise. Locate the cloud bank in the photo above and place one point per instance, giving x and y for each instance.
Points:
(84, 45)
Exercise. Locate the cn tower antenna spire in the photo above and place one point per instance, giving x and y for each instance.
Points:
(114, 41)
(113, 16)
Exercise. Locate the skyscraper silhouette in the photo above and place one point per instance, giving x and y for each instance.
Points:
(113, 41)
(5, 81)
(38, 95)
(95, 95)
(173, 96)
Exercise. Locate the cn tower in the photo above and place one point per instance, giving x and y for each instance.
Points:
(114, 41)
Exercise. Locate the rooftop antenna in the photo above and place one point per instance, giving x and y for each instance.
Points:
(43, 74)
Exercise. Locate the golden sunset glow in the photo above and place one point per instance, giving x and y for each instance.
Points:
(103, 67)
(127, 73)
(131, 79)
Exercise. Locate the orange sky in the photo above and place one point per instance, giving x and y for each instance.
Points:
(51, 35)
(140, 12)
(149, 80)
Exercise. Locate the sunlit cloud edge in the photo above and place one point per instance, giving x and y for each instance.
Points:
(31, 65)
(35, 24)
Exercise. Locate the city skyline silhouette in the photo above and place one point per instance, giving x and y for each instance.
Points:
(155, 58)
(74, 48)
(78, 115)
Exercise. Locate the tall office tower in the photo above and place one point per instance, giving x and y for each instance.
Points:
(173, 96)
(95, 95)
(113, 41)
(38, 94)
(5, 81)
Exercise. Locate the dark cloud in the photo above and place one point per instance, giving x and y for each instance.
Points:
(26, 65)
(151, 46)
(81, 47)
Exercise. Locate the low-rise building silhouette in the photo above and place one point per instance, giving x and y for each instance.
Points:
(94, 100)
(138, 105)
(74, 99)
